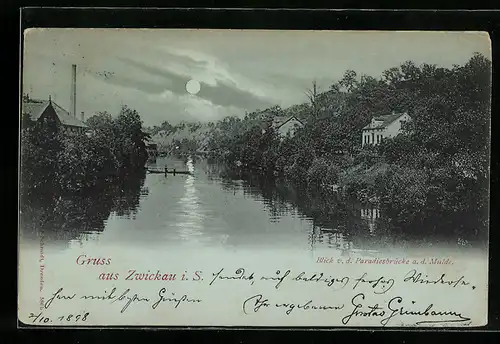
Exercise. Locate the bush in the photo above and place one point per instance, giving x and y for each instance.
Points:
(403, 192)
(316, 173)
(322, 172)
(84, 163)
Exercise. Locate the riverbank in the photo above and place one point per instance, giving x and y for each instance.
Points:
(56, 162)
(432, 171)
(220, 206)
(410, 199)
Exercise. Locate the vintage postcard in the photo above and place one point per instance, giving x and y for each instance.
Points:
(239, 178)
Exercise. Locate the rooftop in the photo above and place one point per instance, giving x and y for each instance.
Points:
(383, 121)
(280, 120)
(35, 108)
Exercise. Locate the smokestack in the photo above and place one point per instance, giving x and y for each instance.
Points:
(83, 116)
(73, 90)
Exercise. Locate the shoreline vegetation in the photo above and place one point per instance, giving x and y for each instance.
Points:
(71, 182)
(60, 163)
(435, 175)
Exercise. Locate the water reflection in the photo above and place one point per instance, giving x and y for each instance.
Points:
(332, 222)
(70, 217)
(213, 206)
(339, 223)
(190, 217)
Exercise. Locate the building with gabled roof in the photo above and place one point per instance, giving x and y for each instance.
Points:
(285, 125)
(382, 127)
(47, 110)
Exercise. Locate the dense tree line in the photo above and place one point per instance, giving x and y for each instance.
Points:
(57, 162)
(437, 168)
(165, 128)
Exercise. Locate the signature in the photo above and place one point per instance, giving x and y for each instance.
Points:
(256, 302)
(396, 307)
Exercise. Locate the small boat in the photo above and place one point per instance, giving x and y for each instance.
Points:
(168, 171)
(178, 172)
(155, 171)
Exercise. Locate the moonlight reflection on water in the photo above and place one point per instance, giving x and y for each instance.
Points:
(190, 217)
(205, 209)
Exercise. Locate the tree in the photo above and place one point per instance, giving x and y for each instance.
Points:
(41, 144)
(439, 166)
(448, 139)
(312, 95)
(54, 162)
(349, 80)
(130, 139)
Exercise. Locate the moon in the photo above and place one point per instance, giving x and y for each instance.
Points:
(193, 87)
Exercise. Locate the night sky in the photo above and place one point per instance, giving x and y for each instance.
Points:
(238, 70)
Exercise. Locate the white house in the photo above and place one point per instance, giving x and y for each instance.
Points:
(382, 127)
(285, 125)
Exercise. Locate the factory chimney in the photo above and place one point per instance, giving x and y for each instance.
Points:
(73, 90)
(83, 116)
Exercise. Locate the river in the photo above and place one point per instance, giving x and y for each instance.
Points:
(214, 221)
(214, 209)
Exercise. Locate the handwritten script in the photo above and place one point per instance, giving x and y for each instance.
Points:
(381, 300)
